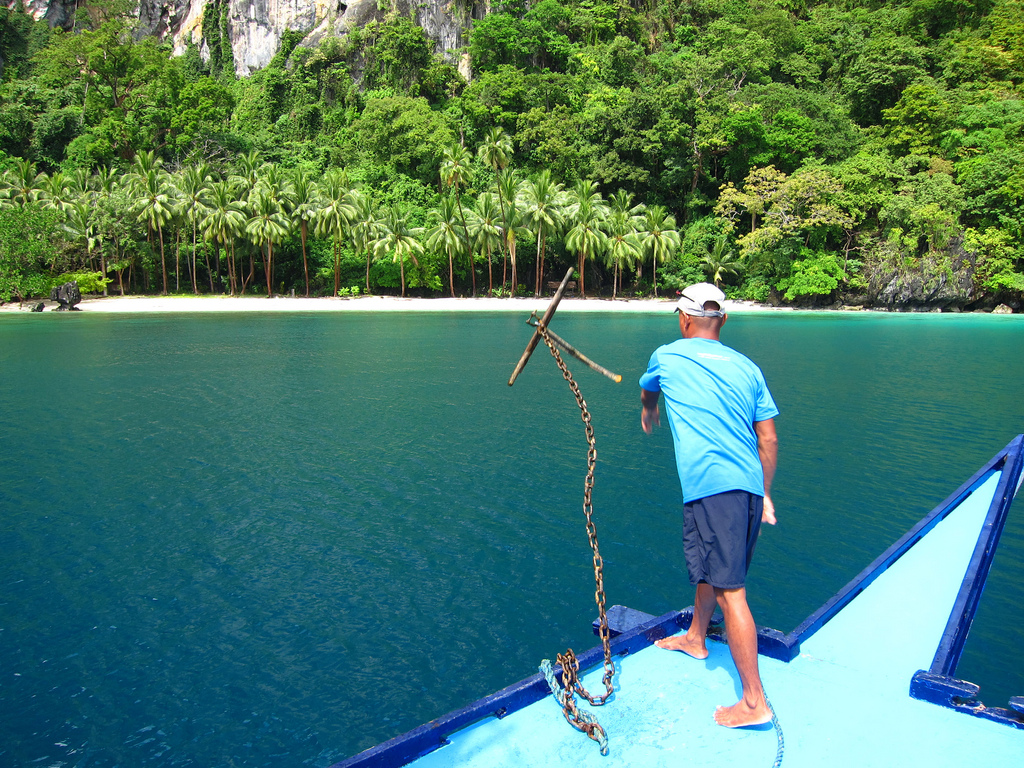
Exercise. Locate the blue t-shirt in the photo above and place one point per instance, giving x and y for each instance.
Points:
(713, 396)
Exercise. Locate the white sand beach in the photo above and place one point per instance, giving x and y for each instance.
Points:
(134, 304)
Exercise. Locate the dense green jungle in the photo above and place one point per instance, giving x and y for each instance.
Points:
(822, 154)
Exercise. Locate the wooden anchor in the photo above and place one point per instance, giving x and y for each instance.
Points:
(566, 346)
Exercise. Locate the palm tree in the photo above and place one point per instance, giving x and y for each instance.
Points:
(496, 151)
(104, 181)
(80, 182)
(337, 213)
(267, 224)
(303, 203)
(623, 245)
(542, 201)
(721, 260)
(485, 230)
(586, 209)
(364, 228)
(622, 203)
(586, 236)
(224, 220)
(55, 192)
(155, 206)
(509, 188)
(102, 189)
(146, 161)
(248, 172)
(80, 225)
(447, 235)
(395, 237)
(455, 171)
(22, 185)
(660, 238)
(193, 199)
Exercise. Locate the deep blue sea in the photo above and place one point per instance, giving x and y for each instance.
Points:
(279, 539)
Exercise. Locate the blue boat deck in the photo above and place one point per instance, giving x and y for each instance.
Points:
(843, 699)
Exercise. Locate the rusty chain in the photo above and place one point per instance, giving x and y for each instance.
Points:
(568, 661)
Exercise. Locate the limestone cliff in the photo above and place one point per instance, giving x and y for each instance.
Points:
(255, 27)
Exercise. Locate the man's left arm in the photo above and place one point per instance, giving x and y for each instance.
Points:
(768, 451)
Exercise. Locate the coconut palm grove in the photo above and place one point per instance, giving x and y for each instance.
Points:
(842, 153)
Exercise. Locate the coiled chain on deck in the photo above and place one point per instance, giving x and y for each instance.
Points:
(568, 662)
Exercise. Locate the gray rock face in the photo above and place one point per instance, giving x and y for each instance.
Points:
(941, 283)
(257, 26)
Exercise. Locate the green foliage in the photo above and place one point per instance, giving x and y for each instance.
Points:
(398, 54)
(814, 274)
(774, 133)
(88, 282)
(28, 243)
(405, 133)
(997, 258)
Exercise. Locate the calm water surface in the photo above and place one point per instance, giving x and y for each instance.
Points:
(280, 539)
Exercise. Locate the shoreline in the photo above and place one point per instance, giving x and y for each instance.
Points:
(153, 304)
(135, 304)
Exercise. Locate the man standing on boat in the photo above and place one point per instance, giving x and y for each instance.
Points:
(722, 419)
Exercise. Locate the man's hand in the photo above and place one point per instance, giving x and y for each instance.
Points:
(650, 416)
(768, 513)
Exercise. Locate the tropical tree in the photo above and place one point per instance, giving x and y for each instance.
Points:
(624, 246)
(509, 189)
(585, 211)
(193, 199)
(267, 225)
(106, 195)
(364, 228)
(456, 171)
(447, 235)
(721, 260)
(485, 230)
(303, 205)
(248, 172)
(496, 151)
(396, 238)
(55, 192)
(80, 225)
(154, 204)
(21, 185)
(542, 214)
(224, 221)
(660, 239)
(336, 214)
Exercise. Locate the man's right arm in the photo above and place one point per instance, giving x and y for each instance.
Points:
(768, 451)
(649, 416)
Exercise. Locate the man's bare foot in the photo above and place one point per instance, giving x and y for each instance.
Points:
(680, 643)
(741, 714)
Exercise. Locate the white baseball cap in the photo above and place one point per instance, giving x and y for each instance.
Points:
(696, 296)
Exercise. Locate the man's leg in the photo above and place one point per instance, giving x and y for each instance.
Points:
(693, 642)
(741, 632)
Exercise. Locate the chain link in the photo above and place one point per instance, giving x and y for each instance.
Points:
(568, 662)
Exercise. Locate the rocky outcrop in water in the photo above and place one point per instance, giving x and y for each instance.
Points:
(255, 27)
(66, 295)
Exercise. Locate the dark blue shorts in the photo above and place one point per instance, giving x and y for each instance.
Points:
(719, 534)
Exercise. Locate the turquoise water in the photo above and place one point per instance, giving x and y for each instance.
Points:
(280, 539)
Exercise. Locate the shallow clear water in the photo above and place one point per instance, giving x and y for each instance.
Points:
(281, 539)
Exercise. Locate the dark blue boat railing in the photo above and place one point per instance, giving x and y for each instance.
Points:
(634, 630)
(939, 683)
